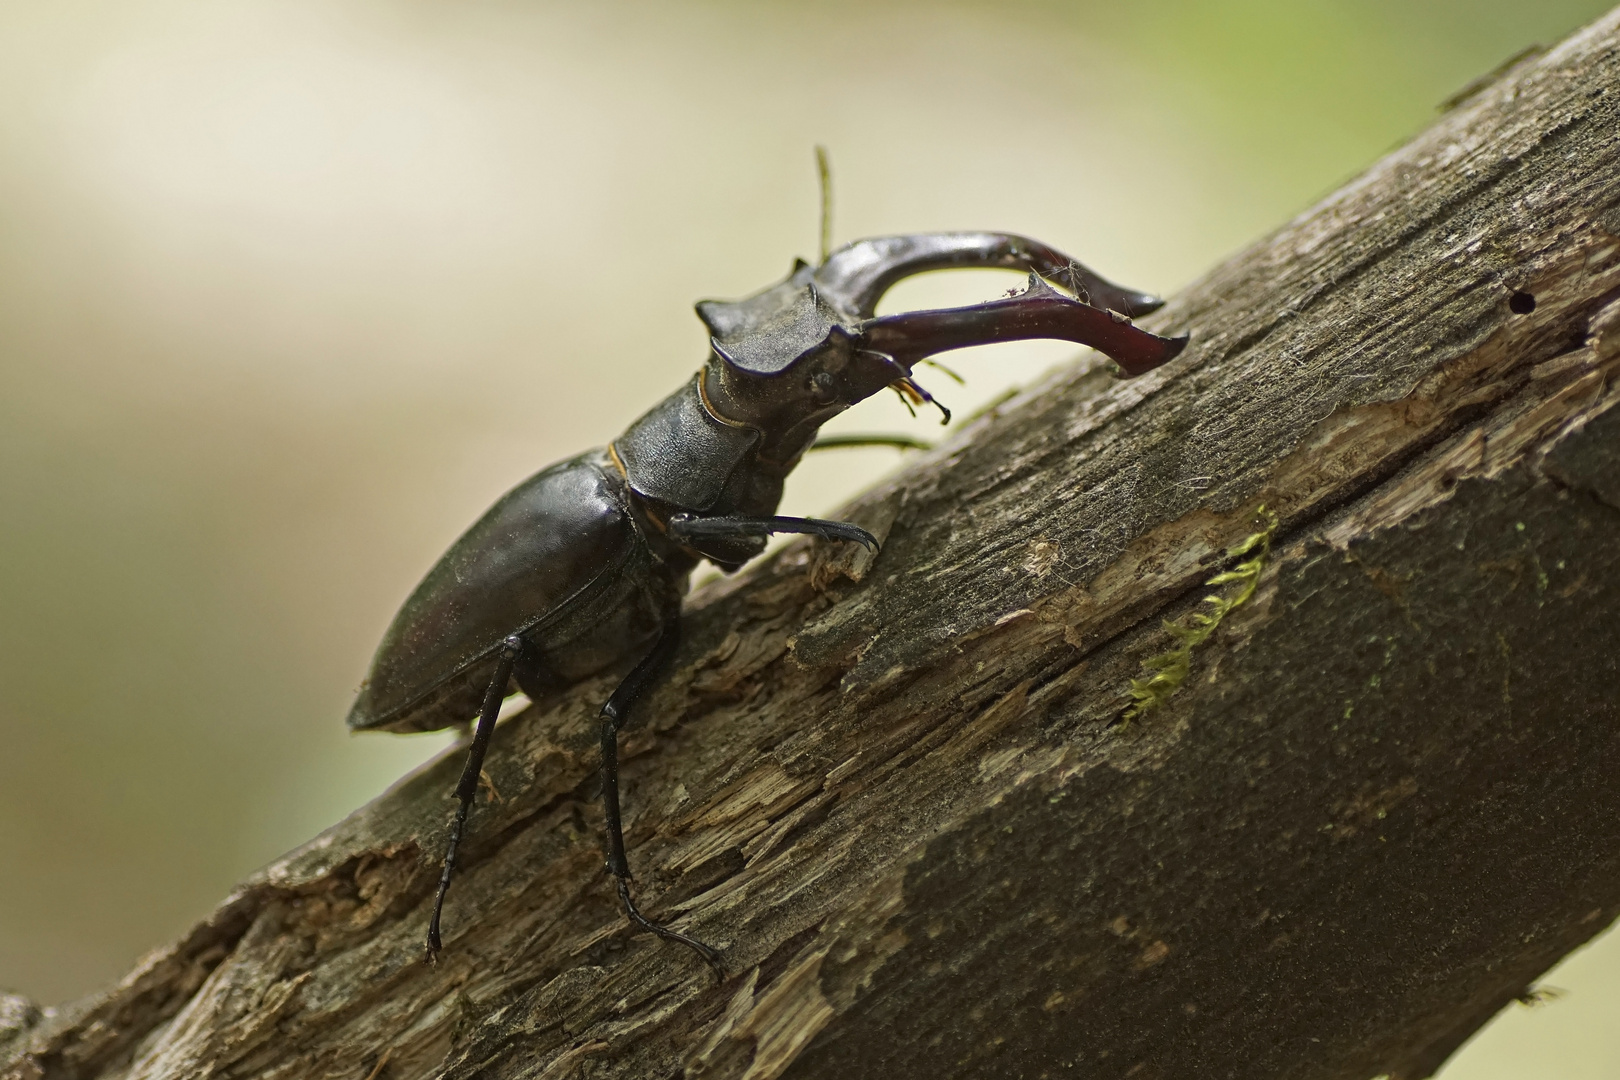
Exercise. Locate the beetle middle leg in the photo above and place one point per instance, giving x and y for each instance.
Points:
(613, 715)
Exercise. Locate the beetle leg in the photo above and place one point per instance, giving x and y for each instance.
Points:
(686, 527)
(467, 787)
(613, 715)
(902, 442)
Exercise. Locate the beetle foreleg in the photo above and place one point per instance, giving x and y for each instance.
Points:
(467, 787)
(901, 442)
(613, 715)
(687, 527)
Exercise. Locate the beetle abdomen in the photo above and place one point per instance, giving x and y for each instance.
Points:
(557, 559)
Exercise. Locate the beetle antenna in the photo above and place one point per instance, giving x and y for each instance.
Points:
(954, 375)
(824, 178)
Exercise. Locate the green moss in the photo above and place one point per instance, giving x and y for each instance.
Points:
(1162, 675)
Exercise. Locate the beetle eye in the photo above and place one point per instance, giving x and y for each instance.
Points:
(821, 386)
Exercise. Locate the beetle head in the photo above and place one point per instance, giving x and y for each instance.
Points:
(788, 359)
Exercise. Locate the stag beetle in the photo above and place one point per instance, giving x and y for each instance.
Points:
(581, 567)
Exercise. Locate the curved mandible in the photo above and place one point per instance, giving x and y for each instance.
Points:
(1040, 311)
(856, 276)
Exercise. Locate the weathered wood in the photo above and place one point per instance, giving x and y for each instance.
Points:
(897, 793)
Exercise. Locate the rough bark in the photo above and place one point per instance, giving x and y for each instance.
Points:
(899, 795)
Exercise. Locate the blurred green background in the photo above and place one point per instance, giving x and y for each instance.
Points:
(290, 291)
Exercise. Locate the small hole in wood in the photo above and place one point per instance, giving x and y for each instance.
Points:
(1521, 303)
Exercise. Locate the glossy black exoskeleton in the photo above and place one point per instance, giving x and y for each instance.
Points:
(581, 567)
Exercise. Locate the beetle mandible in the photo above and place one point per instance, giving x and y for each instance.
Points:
(581, 567)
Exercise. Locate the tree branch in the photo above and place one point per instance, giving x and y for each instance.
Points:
(898, 793)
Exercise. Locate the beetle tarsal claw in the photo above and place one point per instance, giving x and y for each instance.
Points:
(631, 912)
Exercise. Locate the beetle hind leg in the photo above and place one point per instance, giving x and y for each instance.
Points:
(467, 787)
(613, 715)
